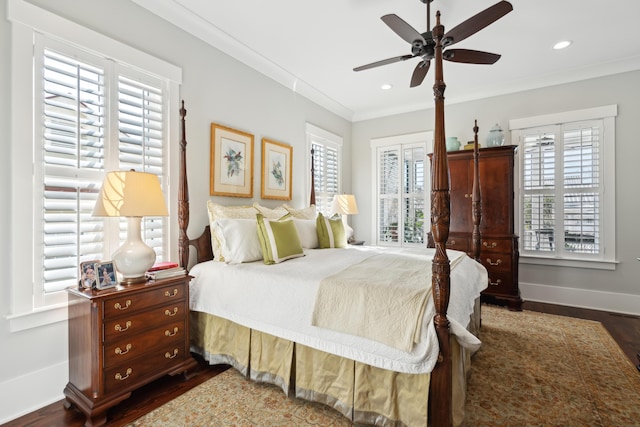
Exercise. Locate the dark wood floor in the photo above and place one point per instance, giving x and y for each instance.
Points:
(624, 329)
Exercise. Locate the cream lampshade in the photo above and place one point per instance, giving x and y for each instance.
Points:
(132, 195)
(345, 204)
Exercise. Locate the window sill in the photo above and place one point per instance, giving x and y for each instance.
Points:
(38, 317)
(567, 262)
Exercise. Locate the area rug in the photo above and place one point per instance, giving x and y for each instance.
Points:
(533, 369)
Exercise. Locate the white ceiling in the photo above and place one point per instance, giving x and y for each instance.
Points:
(313, 46)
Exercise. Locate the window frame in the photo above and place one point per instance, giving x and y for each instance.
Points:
(424, 139)
(605, 114)
(29, 308)
(317, 135)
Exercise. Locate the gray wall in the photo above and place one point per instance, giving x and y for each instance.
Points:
(617, 290)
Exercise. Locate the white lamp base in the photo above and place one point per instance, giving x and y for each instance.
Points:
(348, 230)
(134, 257)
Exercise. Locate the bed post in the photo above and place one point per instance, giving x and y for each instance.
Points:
(441, 377)
(476, 199)
(183, 194)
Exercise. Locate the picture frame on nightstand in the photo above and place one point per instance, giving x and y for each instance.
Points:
(88, 274)
(105, 275)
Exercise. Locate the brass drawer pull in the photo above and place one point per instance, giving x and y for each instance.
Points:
(120, 377)
(171, 294)
(486, 245)
(127, 304)
(120, 328)
(168, 333)
(466, 196)
(168, 355)
(119, 351)
(498, 262)
(496, 283)
(452, 242)
(171, 313)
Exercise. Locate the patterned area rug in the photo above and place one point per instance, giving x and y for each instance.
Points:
(532, 370)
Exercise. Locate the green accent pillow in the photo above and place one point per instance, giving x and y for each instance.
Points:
(331, 232)
(279, 239)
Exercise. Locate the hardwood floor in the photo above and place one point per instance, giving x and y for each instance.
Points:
(624, 329)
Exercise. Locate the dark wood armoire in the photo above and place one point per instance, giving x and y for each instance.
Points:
(499, 243)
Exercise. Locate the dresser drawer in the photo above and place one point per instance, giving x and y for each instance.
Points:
(126, 326)
(500, 282)
(123, 349)
(458, 243)
(132, 302)
(128, 374)
(496, 261)
(497, 245)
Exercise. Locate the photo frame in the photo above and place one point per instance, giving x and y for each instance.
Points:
(88, 274)
(105, 275)
(277, 165)
(231, 163)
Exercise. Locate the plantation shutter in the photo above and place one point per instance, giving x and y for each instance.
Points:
(73, 156)
(325, 175)
(77, 151)
(389, 194)
(413, 194)
(562, 189)
(140, 125)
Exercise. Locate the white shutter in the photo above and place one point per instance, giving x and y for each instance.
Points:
(140, 126)
(413, 194)
(388, 195)
(73, 157)
(76, 152)
(325, 175)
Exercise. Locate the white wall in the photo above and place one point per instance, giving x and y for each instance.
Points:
(617, 290)
(216, 88)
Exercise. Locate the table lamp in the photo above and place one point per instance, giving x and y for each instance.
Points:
(345, 204)
(132, 195)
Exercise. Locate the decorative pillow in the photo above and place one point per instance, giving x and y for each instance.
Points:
(307, 232)
(238, 240)
(217, 211)
(331, 232)
(305, 213)
(269, 213)
(279, 239)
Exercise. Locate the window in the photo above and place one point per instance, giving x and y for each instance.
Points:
(76, 114)
(567, 185)
(402, 180)
(327, 153)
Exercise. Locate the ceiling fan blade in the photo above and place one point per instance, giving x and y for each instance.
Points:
(383, 62)
(470, 56)
(401, 28)
(419, 73)
(477, 22)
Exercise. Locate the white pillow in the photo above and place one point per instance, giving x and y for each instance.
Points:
(307, 232)
(305, 213)
(238, 240)
(217, 211)
(275, 213)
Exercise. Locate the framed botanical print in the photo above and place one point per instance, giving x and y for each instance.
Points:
(231, 164)
(276, 170)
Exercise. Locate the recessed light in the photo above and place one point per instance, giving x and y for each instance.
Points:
(562, 44)
(386, 86)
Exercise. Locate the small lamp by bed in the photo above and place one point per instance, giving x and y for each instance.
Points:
(345, 204)
(132, 195)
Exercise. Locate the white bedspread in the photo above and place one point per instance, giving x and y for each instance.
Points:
(279, 299)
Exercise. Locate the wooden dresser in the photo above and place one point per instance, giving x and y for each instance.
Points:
(499, 244)
(123, 338)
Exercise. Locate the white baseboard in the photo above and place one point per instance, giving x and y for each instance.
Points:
(30, 392)
(596, 300)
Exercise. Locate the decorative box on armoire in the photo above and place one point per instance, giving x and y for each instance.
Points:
(123, 338)
(499, 244)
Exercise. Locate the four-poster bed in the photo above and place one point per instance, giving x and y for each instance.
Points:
(451, 357)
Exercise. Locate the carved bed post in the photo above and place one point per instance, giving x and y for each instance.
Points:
(441, 377)
(183, 194)
(476, 199)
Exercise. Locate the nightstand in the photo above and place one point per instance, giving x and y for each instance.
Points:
(123, 338)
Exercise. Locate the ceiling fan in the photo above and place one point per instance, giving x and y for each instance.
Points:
(422, 44)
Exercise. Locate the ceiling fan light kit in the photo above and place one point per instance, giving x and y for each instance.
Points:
(422, 44)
